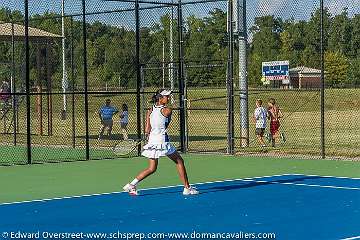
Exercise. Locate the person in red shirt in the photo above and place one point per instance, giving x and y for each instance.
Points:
(274, 115)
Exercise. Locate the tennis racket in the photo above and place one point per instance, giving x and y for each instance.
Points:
(126, 147)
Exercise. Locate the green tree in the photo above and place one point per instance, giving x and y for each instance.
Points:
(111, 49)
(6, 15)
(336, 69)
(196, 46)
(355, 38)
(311, 55)
(292, 42)
(340, 33)
(216, 33)
(265, 45)
(354, 72)
(254, 69)
(266, 37)
(120, 57)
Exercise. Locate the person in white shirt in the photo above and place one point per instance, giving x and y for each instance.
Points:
(124, 121)
(157, 121)
(260, 116)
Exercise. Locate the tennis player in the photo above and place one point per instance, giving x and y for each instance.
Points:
(274, 115)
(157, 121)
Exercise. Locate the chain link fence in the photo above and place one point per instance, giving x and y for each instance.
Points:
(206, 45)
(125, 51)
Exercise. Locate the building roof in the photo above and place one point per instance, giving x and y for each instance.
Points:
(19, 33)
(304, 70)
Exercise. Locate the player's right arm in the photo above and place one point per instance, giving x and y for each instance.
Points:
(147, 123)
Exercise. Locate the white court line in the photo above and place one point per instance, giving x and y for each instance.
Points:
(351, 238)
(311, 175)
(306, 185)
(201, 183)
(116, 192)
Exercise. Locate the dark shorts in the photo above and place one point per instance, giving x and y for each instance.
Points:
(107, 123)
(274, 127)
(260, 132)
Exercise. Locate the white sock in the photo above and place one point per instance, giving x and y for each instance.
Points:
(134, 182)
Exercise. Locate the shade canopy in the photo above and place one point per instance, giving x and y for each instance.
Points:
(19, 33)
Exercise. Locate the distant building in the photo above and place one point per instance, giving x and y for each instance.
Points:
(304, 77)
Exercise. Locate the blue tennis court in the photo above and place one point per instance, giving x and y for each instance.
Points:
(288, 206)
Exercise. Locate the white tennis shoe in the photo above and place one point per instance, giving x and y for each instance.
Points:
(190, 191)
(131, 189)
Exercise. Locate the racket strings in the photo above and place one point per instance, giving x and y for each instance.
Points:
(125, 147)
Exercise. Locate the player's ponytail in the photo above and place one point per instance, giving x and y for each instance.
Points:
(157, 96)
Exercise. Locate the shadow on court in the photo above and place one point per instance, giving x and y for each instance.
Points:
(237, 184)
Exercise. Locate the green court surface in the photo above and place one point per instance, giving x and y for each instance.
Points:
(39, 181)
(17, 154)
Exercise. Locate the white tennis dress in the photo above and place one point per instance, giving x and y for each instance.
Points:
(159, 143)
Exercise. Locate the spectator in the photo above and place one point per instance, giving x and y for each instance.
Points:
(124, 121)
(4, 94)
(274, 116)
(106, 114)
(260, 115)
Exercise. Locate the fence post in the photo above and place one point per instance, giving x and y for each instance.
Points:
(27, 82)
(322, 92)
(73, 84)
(243, 82)
(181, 80)
(87, 147)
(64, 82)
(15, 98)
(138, 73)
(229, 81)
(49, 89)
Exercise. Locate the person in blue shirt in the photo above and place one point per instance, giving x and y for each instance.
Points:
(106, 114)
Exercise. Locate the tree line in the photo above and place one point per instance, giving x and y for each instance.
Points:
(111, 49)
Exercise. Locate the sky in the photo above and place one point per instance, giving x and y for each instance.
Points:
(302, 8)
(297, 9)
